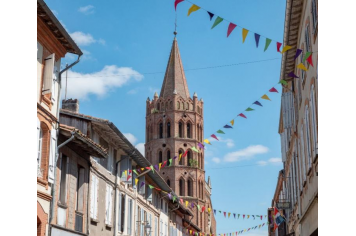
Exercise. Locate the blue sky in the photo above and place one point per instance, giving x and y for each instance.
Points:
(124, 42)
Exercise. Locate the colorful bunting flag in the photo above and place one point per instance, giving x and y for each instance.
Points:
(232, 122)
(234, 215)
(257, 39)
(135, 172)
(150, 186)
(176, 3)
(218, 20)
(224, 214)
(273, 90)
(258, 103)
(230, 28)
(195, 149)
(174, 198)
(282, 81)
(185, 153)
(243, 216)
(159, 166)
(286, 48)
(203, 209)
(220, 131)
(242, 115)
(310, 60)
(214, 136)
(268, 42)
(244, 34)
(248, 216)
(302, 67)
(136, 181)
(228, 215)
(279, 46)
(181, 201)
(164, 163)
(306, 56)
(227, 127)
(153, 170)
(291, 74)
(249, 109)
(207, 141)
(211, 15)
(186, 203)
(193, 8)
(201, 145)
(170, 162)
(298, 52)
(265, 97)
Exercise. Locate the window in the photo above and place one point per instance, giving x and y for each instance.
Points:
(141, 190)
(168, 182)
(197, 133)
(190, 187)
(314, 123)
(315, 14)
(178, 105)
(48, 74)
(80, 189)
(160, 159)
(94, 197)
(63, 184)
(168, 129)
(190, 159)
(158, 106)
(188, 130)
(180, 125)
(156, 223)
(181, 187)
(162, 106)
(168, 156)
(187, 106)
(180, 153)
(121, 220)
(108, 204)
(39, 148)
(302, 152)
(307, 39)
(161, 130)
(129, 217)
(170, 105)
(307, 133)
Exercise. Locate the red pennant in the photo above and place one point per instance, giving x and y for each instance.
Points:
(128, 177)
(244, 216)
(273, 90)
(261, 217)
(310, 60)
(224, 214)
(203, 209)
(230, 29)
(279, 46)
(176, 2)
(213, 135)
(185, 153)
(130, 171)
(158, 189)
(148, 168)
(242, 115)
(164, 163)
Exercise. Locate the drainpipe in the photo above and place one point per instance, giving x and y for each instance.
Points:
(53, 191)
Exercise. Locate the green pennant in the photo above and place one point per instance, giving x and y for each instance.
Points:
(135, 172)
(151, 187)
(174, 198)
(195, 149)
(268, 41)
(220, 131)
(123, 174)
(217, 21)
(153, 170)
(306, 56)
(170, 162)
(249, 109)
(219, 211)
(198, 207)
(282, 81)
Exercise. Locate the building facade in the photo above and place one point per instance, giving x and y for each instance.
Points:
(299, 119)
(53, 42)
(174, 125)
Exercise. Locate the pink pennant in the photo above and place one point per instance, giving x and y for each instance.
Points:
(273, 90)
(242, 115)
(176, 3)
(244, 216)
(279, 46)
(224, 214)
(230, 29)
(214, 136)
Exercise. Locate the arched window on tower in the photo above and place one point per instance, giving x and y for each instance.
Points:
(161, 130)
(197, 132)
(158, 106)
(201, 161)
(166, 105)
(178, 105)
(168, 182)
(190, 187)
(170, 105)
(160, 157)
(187, 106)
(168, 156)
(147, 134)
(181, 161)
(180, 129)
(189, 130)
(181, 187)
(162, 106)
(168, 129)
(189, 157)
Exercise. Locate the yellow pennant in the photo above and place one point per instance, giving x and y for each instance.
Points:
(207, 141)
(265, 97)
(125, 172)
(232, 122)
(190, 231)
(286, 48)
(142, 169)
(180, 156)
(209, 209)
(302, 67)
(159, 166)
(228, 215)
(244, 230)
(244, 34)
(136, 181)
(193, 8)
(186, 203)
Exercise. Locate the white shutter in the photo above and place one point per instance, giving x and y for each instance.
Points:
(107, 205)
(119, 214)
(38, 143)
(314, 130)
(52, 156)
(96, 201)
(110, 204)
(56, 67)
(92, 196)
(48, 74)
(302, 151)
(39, 52)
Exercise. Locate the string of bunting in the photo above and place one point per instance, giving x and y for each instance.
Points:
(257, 36)
(243, 216)
(245, 230)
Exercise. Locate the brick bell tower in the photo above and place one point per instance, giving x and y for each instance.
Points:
(174, 124)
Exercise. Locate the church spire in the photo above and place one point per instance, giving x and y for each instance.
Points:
(174, 78)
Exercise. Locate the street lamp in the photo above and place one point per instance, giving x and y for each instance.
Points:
(148, 228)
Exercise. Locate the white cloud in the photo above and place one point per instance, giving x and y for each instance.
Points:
(229, 142)
(131, 138)
(86, 9)
(132, 91)
(272, 161)
(141, 148)
(246, 153)
(262, 163)
(275, 160)
(101, 41)
(216, 160)
(81, 85)
(82, 39)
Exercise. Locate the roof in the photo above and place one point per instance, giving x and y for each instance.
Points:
(174, 78)
(192, 224)
(291, 35)
(83, 141)
(44, 13)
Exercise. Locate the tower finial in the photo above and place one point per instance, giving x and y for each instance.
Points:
(175, 27)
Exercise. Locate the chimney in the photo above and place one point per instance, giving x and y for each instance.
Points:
(71, 105)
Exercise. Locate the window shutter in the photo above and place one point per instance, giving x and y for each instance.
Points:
(80, 188)
(39, 52)
(48, 74)
(149, 195)
(119, 213)
(56, 67)
(123, 166)
(52, 156)
(110, 203)
(107, 204)
(38, 141)
(92, 197)
(142, 219)
(142, 189)
(96, 197)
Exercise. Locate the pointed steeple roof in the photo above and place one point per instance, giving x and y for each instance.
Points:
(174, 79)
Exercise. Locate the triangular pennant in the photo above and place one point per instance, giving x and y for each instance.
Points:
(142, 169)
(164, 163)
(209, 209)
(128, 177)
(306, 56)
(160, 190)
(286, 48)
(244, 34)
(310, 60)
(227, 127)
(282, 81)
(159, 166)
(273, 90)
(242, 115)
(249, 109)
(203, 209)
(234, 215)
(186, 203)
(181, 201)
(153, 170)
(215, 212)
(170, 162)
(230, 28)
(265, 97)
(211, 15)
(185, 153)
(220, 131)
(148, 168)
(174, 198)
(175, 157)
(291, 74)
(217, 21)
(136, 181)
(224, 214)
(238, 216)
(193, 8)
(268, 42)
(279, 46)
(261, 217)
(302, 67)
(201, 145)
(198, 207)
(176, 3)
(228, 215)
(214, 136)
(150, 186)
(232, 122)
(257, 39)
(258, 103)
(207, 141)
(195, 149)
(297, 53)
(135, 172)
(248, 216)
